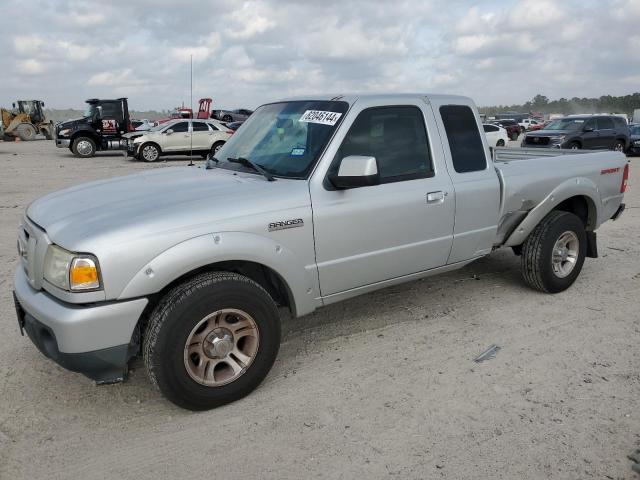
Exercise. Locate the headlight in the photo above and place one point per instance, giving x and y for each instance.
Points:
(71, 271)
(64, 132)
(636, 142)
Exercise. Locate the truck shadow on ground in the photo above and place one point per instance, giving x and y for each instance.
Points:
(426, 299)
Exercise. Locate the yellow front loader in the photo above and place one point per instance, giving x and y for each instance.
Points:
(26, 121)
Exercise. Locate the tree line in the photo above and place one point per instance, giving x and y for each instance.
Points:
(606, 103)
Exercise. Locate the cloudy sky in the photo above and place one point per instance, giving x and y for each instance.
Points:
(249, 52)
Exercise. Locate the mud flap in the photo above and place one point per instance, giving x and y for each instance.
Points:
(592, 245)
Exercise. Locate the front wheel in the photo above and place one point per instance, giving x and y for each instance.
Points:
(618, 146)
(83, 147)
(574, 146)
(26, 132)
(553, 254)
(211, 340)
(149, 152)
(500, 143)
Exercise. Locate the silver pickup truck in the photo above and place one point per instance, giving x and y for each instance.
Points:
(311, 202)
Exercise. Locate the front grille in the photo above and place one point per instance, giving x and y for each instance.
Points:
(537, 141)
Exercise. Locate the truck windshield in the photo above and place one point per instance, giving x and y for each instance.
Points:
(566, 124)
(285, 139)
(90, 110)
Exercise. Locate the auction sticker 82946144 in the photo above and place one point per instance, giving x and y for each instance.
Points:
(320, 116)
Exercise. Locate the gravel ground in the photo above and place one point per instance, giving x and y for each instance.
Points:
(379, 386)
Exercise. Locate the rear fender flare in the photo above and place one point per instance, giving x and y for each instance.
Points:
(212, 248)
(574, 187)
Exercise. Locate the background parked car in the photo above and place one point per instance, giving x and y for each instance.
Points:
(496, 135)
(233, 125)
(231, 115)
(589, 132)
(511, 126)
(142, 125)
(634, 139)
(178, 137)
(530, 124)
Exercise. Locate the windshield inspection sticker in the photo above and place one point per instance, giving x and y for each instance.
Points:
(320, 116)
(297, 152)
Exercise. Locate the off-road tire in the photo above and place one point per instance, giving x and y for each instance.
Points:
(81, 152)
(26, 132)
(537, 252)
(176, 315)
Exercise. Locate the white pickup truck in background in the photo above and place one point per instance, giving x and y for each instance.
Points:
(314, 200)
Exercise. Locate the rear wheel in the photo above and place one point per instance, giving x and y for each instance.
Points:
(553, 254)
(211, 340)
(618, 146)
(83, 147)
(26, 132)
(500, 143)
(215, 147)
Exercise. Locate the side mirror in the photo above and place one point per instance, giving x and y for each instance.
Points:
(356, 171)
(169, 131)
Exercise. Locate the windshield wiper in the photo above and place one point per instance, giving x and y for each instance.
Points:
(248, 163)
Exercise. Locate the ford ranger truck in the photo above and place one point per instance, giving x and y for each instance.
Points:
(313, 201)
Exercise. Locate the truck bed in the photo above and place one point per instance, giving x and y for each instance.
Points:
(531, 178)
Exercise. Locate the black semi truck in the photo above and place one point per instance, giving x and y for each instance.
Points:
(101, 128)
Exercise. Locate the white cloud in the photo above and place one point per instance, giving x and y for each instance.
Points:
(115, 79)
(76, 52)
(29, 44)
(31, 66)
(205, 48)
(251, 19)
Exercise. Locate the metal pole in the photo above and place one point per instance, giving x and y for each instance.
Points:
(191, 121)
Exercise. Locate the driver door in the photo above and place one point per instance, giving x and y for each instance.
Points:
(178, 139)
(403, 225)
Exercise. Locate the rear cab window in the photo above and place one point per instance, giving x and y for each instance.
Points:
(465, 144)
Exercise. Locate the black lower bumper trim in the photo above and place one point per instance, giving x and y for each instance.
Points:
(108, 365)
(619, 211)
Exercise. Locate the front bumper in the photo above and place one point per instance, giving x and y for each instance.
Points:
(63, 142)
(92, 339)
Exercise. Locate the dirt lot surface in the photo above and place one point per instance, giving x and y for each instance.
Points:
(380, 386)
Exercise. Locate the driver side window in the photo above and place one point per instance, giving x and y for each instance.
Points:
(396, 136)
(180, 127)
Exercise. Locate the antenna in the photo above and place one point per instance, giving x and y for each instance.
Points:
(191, 121)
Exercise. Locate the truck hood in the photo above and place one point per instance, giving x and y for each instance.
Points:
(74, 122)
(165, 202)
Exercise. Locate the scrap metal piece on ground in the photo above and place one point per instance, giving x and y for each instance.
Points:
(488, 354)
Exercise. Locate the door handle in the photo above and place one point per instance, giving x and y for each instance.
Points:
(436, 197)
